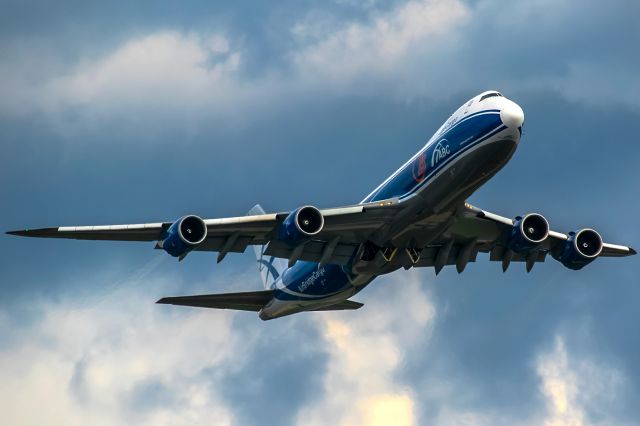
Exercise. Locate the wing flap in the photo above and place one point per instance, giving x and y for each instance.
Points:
(497, 253)
(429, 254)
(244, 301)
(312, 251)
(217, 243)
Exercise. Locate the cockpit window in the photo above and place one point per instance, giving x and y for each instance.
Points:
(490, 95)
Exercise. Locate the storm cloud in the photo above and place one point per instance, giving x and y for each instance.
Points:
(128, 113)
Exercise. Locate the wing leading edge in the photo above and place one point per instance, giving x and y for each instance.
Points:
(344, 229)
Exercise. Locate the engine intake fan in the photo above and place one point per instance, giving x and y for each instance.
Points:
(528, 233)
(581, 248)
(301, 224)
(184, 235)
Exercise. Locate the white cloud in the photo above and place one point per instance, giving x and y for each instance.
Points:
(419, 49)
(191, 76)
(166, 68)
(380, 48)
(559, 386)
(164, 74)
(574, 386)
(116, 360)
(89, 364)
(365, 350)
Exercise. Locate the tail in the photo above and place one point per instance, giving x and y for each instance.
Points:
(270, 267)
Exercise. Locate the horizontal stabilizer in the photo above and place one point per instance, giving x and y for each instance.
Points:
(342, 306)
(245, 301)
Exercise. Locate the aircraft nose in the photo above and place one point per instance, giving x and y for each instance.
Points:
(511, 114)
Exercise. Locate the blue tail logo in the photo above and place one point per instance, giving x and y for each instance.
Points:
(270, 267)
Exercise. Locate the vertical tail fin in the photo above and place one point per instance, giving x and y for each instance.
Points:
(270, 267)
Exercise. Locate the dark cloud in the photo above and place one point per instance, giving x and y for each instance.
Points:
(76, 30)
(575, 165)
(281, 371)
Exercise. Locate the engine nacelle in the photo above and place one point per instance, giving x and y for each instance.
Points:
(528, 233)
(184, 235)
(300, 225)
(581, 248)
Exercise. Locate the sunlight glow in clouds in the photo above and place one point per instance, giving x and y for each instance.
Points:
(119, 360)
(365, 351)
(559, 385)
(573, 386)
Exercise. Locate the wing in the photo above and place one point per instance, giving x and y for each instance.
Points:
(475, 230)
(344, 229)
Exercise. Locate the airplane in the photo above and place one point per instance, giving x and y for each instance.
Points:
(314, 259)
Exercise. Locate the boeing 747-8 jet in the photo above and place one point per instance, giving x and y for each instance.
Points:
(314, 259)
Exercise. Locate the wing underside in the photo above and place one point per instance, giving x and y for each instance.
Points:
(468, 232)
(492, 226)
(475, 230)
(346, 229)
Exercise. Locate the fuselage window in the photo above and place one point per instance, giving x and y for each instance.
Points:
(490, 95)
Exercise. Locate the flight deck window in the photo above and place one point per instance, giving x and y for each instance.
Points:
(490, 95)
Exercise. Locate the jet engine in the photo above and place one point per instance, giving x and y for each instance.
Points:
(528, 233)
(301, 224)
(581, 248)
(184, 235)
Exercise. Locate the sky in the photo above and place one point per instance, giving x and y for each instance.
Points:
(129, 112)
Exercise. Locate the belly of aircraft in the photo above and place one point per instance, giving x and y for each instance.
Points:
(465, 175)
(427, 214)
(430, 210)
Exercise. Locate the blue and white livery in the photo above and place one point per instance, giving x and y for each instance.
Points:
(314, 259)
